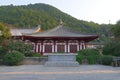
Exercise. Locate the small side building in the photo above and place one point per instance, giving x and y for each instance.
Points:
(94, 45)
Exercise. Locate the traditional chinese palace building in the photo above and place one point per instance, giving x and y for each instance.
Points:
(57, 40)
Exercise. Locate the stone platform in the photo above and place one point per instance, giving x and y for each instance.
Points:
(62, 60)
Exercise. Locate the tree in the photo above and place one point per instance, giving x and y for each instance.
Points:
(18, 45)
(116, 30)
(4, 32)
(112, 48)
(13, 58)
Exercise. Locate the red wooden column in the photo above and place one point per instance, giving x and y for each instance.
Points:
(67, 46)
(41, 48)
(35, 47)
(79, 45)
(85, 45)
(54, 46)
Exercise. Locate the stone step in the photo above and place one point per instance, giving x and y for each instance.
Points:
(61, 64)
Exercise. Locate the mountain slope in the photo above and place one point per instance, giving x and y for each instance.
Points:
(48, 16)
(29, 16)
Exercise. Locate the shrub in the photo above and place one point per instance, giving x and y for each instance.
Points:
(93, 59)
(106, 59)
(36, 55)
(13, 58)
(2, 52)
(112, 48)
(18, 45)
(88, 52)
(92, 56)
(80, 58)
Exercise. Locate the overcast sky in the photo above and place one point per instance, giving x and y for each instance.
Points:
(99, 11)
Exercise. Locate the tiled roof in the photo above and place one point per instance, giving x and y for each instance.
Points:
(60, 31)
(19, 32)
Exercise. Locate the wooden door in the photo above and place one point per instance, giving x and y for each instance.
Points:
(60, 48)
(73, 48)
(48, 48)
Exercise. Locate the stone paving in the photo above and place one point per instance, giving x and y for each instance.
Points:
(40, 72)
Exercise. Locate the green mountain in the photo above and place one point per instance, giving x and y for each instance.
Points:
(29, 16)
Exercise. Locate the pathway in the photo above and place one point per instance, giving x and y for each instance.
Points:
(39, 72)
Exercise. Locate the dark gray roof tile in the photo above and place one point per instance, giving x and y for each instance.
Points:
(60, 31)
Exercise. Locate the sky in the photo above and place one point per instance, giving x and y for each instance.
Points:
(98, 11)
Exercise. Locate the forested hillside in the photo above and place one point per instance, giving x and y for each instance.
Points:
(29, 16)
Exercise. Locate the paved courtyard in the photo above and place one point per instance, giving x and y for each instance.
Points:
(40, 72)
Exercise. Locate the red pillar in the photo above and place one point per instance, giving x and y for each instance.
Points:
(38, 48)
(35, 47)
(79, 45)
(66, 46)
(85, 45)
(41, 48)
(54, 45)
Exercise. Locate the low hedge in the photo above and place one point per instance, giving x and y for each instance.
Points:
(13, 58)
(93, 59)
(92, 56)
(88, 52)
(106, 59)
(36, 55)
